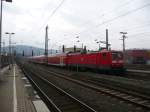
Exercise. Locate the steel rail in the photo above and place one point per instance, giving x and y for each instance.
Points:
(52, 106)
(88, 108)
(122, 96)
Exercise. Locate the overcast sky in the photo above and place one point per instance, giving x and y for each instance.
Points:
(68, 19)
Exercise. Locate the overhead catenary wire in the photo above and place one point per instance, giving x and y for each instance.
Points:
(51, 15)
(87, 21)
(117, 17)
(136, 34)
(129, 29)
(64, 0)
(135, 26)
(109, 12)
(122, 15)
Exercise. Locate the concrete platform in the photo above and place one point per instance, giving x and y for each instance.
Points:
(17, 94)
(14, 97)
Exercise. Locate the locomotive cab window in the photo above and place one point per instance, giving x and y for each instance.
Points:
(117, 55)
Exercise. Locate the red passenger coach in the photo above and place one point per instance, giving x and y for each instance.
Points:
(101, 60)
(57, 59)
(37, 59)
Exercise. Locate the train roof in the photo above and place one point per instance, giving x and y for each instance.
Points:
(51, 55)
(40, 56)
(75, 53)
(93, 52)
(57, 54)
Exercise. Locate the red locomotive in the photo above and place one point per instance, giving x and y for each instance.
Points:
(101, 60)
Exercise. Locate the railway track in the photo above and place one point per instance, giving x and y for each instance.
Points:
(124, 83)
(57, 99)
(130, 74)
(138, 74)
(138, 66)
(128, 96)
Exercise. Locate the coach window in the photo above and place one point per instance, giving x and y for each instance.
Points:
(103, 55)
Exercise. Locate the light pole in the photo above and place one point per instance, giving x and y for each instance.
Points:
(13, 52)
(1, 11)
(103, 42)
(3, 50)
(108, 45)
(9, 47)
(79, 42)
(98, 42)
(77, 37)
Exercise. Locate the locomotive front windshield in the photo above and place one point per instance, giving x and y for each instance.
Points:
(117, 55)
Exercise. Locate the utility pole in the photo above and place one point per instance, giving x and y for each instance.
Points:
(46, 44)
(123, 39)
(107, 39)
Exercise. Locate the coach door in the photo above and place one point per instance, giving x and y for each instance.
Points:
(105, 59)
(61, 61)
